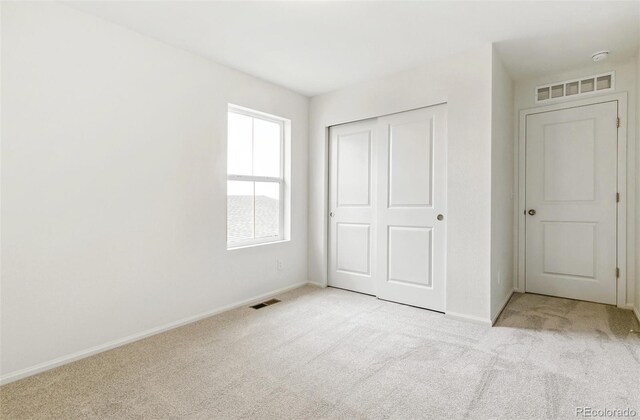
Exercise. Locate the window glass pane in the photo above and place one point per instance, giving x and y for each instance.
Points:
(267, 209)
(239, 149)
(266, 148)
(240, 211)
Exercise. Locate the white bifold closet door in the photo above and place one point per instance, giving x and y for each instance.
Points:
(388, 220)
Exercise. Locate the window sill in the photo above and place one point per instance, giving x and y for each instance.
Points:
(243, 246)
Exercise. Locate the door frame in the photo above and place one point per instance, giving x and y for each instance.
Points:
(622, 173)
(327, 192)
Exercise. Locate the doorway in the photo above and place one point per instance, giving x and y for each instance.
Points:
(571, 202)
(387, 199)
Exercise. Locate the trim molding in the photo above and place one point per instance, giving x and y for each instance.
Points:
(478, 320)
(317, 284)
(63, 360)
(468, 318)
(637, 312)
(625, 240)
(504, 305)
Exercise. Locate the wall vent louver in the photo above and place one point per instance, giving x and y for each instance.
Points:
(575, 88)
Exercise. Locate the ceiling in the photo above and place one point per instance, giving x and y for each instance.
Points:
(316, 47)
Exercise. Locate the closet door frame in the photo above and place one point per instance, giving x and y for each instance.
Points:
(328, 201)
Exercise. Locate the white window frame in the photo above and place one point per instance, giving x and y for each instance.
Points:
(251, 178)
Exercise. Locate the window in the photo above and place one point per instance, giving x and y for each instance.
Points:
(255, 178)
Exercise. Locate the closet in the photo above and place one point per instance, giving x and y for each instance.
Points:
(387, 199)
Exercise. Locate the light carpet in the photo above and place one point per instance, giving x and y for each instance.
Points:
(329, 353)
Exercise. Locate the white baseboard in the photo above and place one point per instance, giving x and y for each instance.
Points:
(494, 318)
(320, 285)
(637, 312)
(468, 318)
(479, 320)
(63, 360)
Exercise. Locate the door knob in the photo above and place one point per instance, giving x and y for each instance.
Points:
(331, 214)
(440, 217)
(531, 212)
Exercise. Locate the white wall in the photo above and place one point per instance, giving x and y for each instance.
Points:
(113, 186)
(502, 185)
(625, 81)
(637, 259)
(464, 82)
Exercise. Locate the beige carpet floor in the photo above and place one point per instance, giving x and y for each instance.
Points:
(328, 353)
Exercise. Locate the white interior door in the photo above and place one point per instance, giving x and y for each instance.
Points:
(571, 171)
(352, 190)
(411, 194)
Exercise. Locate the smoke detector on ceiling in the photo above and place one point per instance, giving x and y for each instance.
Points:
(600, 56)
